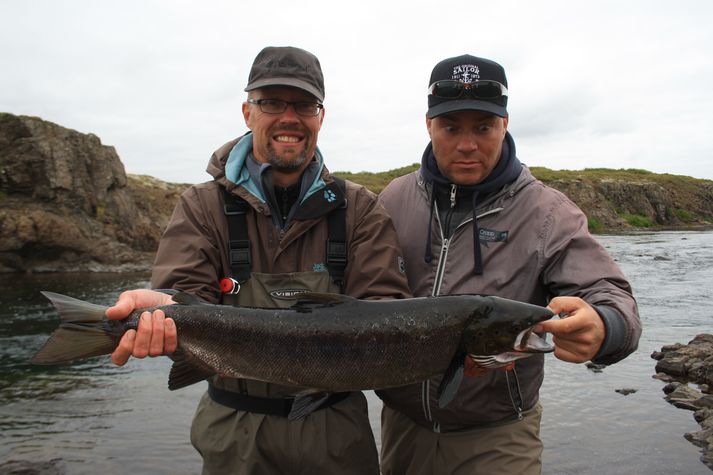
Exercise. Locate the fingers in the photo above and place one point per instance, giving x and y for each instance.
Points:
(126, 346)
(144, 334)
(578, 336)
(156, 335)
(573, 351)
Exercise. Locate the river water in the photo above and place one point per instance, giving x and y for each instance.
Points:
(93, 417)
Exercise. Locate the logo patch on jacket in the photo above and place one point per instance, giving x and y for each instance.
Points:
(287, 294)
(491, 235)
(330, 196)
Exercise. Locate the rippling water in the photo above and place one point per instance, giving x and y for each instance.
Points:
(96, 418)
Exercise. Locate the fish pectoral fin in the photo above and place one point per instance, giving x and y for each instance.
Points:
(187, 370)
(308, 301)
(452, 379)
(306, 403)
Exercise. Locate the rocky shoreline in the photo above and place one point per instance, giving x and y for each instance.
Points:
(680, 366)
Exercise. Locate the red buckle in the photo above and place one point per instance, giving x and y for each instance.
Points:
(230, 286)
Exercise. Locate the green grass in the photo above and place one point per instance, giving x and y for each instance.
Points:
(377, 181)
(638, 220)
(594, 225)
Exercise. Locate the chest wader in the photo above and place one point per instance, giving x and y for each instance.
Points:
(255, 289)
(240, 426)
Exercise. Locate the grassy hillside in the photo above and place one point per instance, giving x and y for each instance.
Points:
(612, 199)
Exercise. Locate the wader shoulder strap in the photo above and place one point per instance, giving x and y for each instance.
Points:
(337, 240)
(235, 209)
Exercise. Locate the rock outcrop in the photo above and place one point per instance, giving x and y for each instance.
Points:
(679, 365)
(663, 201)
(66, 203)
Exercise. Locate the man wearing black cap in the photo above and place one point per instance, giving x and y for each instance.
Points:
(474, 220)
(272, 223)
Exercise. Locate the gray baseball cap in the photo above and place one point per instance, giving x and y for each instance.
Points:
(287, 66)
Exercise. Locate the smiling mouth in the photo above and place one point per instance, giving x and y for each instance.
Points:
(289, 139)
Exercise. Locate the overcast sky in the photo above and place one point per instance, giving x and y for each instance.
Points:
(615, 84)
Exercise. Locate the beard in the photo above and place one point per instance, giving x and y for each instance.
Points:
(283, 164)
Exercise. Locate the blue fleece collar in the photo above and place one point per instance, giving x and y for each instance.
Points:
(237, 171)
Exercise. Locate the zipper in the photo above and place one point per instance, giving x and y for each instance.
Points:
(516, 404)
(445, 241)
(440, 271)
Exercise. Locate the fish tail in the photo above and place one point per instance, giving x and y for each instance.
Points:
(82, 332)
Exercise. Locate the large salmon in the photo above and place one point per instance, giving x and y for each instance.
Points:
(327, 342)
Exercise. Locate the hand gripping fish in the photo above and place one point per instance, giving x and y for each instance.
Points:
(324, 343)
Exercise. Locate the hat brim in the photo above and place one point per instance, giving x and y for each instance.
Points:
(464, 105)
(289, 82)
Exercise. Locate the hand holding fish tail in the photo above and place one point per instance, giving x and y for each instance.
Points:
(155, 335)
(579, 335)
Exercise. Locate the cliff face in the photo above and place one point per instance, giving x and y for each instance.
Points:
(66, 203)
(633, 201)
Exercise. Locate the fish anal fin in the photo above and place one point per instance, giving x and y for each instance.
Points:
(187, 370)
(452, 379)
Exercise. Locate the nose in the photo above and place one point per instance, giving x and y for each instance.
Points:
(467, 143)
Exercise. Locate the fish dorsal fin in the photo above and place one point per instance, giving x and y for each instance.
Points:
(187, 370)
(308, 301)
(184, 298)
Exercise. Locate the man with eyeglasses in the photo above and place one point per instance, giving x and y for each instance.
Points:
(271, 224)
(474, 220)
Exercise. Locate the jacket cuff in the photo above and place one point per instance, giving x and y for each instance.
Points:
(614, 337)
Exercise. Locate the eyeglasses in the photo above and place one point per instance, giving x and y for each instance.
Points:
(277, 106)
(451, 89)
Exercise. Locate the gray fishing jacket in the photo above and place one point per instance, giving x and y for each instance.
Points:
(535, 245)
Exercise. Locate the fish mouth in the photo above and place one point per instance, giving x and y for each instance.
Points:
(527, 343)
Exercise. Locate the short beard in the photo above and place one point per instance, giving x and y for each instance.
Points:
(283, 165)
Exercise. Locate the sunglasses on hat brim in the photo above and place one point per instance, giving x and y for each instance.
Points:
(452, 89)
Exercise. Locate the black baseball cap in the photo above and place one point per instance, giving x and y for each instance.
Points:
(467, 69)
(287, 66)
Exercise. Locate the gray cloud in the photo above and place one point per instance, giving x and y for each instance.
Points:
(612, 84)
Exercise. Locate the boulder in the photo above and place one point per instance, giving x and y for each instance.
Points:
(686, 364)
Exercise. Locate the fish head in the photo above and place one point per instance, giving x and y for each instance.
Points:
(506, 326)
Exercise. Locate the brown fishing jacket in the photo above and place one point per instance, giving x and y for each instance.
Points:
(535, 245)
(193, 252)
